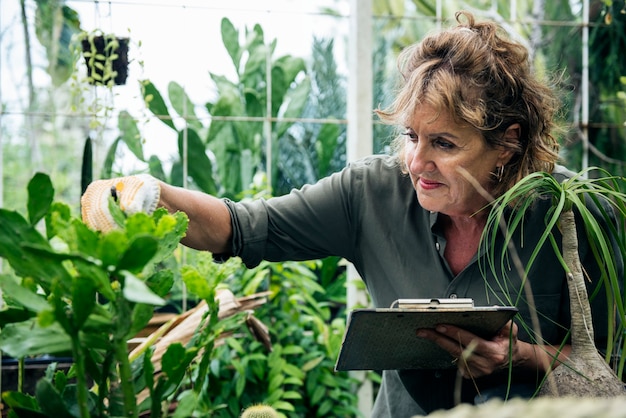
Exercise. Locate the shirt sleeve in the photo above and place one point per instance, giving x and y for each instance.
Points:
(309, 223)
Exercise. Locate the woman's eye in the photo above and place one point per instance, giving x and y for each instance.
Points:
(411, 135)
(442, 143)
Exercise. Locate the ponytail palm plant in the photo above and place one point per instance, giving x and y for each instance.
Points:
(595, 203)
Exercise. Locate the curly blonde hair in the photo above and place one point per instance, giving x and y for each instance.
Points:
(482, 78)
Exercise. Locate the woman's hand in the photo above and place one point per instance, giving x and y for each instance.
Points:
(476, 357)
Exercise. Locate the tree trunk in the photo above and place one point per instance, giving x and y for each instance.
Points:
(584, 373)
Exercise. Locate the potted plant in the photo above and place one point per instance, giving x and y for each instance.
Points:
(585, 373)
(106, 57)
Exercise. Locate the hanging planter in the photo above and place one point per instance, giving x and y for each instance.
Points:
(106, 57)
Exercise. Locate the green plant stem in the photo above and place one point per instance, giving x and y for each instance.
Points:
(20, 374)
(126, 378)
(81, 379)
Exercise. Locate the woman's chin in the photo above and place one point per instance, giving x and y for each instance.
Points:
(433, 205)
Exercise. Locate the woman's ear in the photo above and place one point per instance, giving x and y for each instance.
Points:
(511, 142)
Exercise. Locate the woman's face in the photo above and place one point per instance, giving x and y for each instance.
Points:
(435, 149)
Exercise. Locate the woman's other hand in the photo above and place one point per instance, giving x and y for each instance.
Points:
(474, 356)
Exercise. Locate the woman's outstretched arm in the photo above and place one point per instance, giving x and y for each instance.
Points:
(209, 219)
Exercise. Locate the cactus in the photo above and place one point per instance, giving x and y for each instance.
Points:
(259, 411)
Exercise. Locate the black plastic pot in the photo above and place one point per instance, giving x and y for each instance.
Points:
(119, 65)
(34, 369)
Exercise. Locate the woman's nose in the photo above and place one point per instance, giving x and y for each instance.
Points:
(418, 158)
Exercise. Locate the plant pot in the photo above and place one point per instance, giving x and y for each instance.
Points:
(106, 57)
(34, 369)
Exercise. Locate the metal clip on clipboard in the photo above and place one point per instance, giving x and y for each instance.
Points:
(433, 304)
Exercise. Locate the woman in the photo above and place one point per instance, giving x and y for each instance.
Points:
(470, 111)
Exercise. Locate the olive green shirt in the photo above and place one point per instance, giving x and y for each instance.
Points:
(369, 214)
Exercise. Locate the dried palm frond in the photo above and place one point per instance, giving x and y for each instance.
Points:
(181, 328)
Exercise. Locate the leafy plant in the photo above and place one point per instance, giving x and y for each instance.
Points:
(593, 200)
(297, 376)
(78, 291)
(56, 24)
(106, 56)
(235, 144)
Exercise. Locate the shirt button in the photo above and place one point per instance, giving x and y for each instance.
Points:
(437, 246)
(453, 296)
(438, 374)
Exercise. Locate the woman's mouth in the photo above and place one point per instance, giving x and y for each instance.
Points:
(428, 184)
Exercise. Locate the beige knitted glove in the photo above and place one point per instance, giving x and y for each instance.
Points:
(138, 193)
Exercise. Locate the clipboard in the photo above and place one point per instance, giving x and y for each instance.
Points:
(385, 338)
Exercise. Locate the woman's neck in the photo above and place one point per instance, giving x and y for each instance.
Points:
(463, 235)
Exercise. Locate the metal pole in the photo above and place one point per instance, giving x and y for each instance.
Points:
(585, 86)
(267, 124)
(360, 141)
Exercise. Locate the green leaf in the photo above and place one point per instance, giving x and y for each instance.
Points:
(11, 314)
(296, 100)
(161, 282)
(200, 167)
(130, 134)
(175, 361)
(255, 64)
(86, 172)
(56, 26)
(291, 394)
(109, 159)
(293, 370)
(136, 291)
(83, 300)
(156, 168)
(140, 317)
(15, 400)
(148, 368)
(70, 396)
(318, 394)
(116, 212)
(283, 406)
(85, 239)
(57, 220)
(187, 404)
(311, 364)
(240, 385)
(40, 197)
(293, 349)
(183, 105)
(15, 233)
(326, 145)
(325, 408)
(20, 294)
(230, 38)
(170, 228)
(49, 340)
(99, 277)
(112, 246)
(97, 325)
(197, 284)
(50, 400)
(275, 383)
(138, 254)
(156, 104)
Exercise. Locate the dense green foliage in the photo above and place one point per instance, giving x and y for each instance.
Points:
(77, 291)
(74, 290)
(225, 153)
